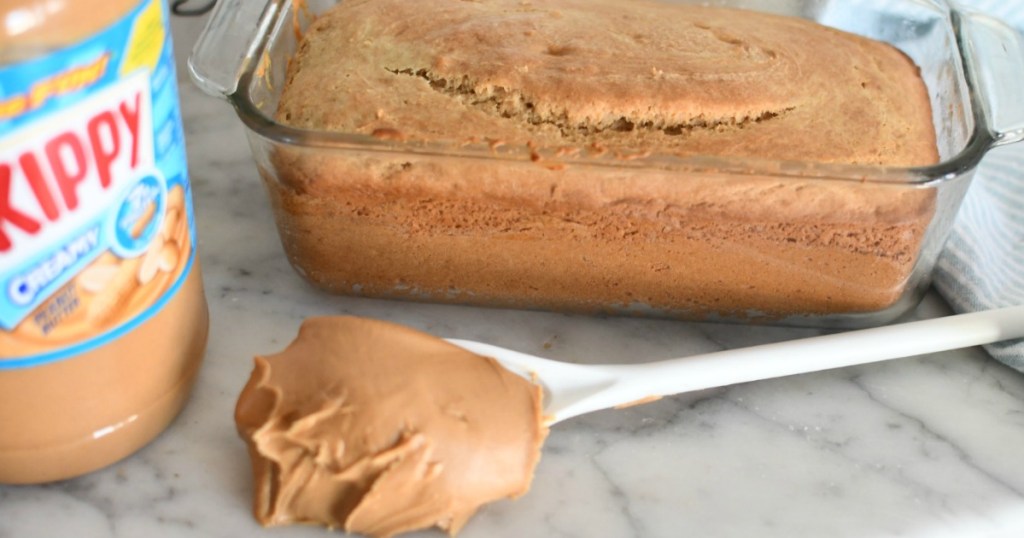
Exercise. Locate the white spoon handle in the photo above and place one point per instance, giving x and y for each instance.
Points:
(644, 381)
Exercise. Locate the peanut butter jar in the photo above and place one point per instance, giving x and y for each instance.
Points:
(103, 321)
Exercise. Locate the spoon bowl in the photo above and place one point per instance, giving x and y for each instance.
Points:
(573, 389)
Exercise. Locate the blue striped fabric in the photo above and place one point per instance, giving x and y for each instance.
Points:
(1006, 10)
(982, 265)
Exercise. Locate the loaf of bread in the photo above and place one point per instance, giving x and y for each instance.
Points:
(620, 89)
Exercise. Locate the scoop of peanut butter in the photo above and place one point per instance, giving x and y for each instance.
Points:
(380, 429)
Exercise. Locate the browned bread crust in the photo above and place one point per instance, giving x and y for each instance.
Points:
(631, 74)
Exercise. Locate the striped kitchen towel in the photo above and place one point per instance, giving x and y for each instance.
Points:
(982, 265)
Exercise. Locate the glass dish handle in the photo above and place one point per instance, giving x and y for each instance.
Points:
(997, 53)
(229, 42)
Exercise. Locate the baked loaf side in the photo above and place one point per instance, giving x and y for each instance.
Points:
(587, 240)
(625, 74)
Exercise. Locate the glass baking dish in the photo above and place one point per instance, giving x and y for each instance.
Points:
(643, 246)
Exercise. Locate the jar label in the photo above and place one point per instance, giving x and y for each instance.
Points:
(96, 222)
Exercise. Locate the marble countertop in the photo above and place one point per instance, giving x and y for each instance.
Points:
(924, 447)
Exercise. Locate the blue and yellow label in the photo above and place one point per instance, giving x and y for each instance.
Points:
(96, 222)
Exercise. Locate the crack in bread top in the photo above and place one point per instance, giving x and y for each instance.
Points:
(514, 105)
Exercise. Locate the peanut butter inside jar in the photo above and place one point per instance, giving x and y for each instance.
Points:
(103, 320)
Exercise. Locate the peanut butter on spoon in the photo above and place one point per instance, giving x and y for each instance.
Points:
(379, 429)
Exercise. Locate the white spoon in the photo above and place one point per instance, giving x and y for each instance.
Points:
(574, 389)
